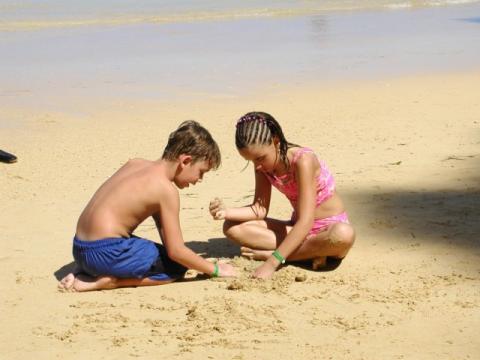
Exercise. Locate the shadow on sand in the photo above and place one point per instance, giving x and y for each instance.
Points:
(215, 248)
(422, 216)
(64, 271)
(224, 248)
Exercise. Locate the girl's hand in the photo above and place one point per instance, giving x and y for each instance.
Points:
(226, 270)
(265, 271)
(217, 209)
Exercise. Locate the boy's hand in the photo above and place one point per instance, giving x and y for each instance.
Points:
(217, 209)
(226, 270)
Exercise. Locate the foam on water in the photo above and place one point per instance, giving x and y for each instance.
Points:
(33, 15)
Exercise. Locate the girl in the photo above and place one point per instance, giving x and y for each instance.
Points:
(319, 225)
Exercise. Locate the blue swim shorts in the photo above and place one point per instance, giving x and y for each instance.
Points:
(132, 257)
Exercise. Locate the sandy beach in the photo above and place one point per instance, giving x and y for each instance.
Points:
(387, 95)
(406, 157)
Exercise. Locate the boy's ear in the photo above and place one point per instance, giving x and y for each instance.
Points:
(185, 160)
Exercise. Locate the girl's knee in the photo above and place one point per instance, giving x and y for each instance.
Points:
(232, 230)
(227, 227)
(342, 233)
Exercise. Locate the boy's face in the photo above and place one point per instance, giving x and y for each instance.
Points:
(191, 172)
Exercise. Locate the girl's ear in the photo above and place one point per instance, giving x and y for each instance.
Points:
(276, 141)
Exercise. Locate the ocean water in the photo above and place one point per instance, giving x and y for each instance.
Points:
(35, 14)
(55, 53)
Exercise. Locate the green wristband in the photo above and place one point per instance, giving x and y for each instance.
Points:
(279, 257)
(215, 270)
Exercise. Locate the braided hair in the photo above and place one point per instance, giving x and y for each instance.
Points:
(259, 128)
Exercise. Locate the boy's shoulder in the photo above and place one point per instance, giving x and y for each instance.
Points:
(148, 176)
(134, 164)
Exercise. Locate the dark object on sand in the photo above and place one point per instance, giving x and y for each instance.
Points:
(7, 157)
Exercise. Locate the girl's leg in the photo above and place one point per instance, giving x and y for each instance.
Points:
(257, 234)
(336, 241)
(82, 282)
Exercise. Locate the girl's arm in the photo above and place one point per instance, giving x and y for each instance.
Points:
(305, 169)
(258, 210)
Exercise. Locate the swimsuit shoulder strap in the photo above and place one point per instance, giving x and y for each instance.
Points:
(299, 153)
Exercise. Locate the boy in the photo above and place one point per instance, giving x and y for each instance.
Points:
(105, 250)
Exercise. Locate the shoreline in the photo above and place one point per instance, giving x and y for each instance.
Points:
(55, 69)
(29, 18)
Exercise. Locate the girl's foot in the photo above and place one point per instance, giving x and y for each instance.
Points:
(254, 254)
(319, 262)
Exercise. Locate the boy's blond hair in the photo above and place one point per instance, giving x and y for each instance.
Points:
(192, 139)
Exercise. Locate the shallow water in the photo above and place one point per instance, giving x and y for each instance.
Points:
(78, 55)
(32, 15)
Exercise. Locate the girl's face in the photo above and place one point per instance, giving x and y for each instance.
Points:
(264, 157)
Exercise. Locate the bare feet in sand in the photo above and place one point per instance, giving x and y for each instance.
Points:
(319, 262)
(254, 254)
(66, 284)
(82, 282)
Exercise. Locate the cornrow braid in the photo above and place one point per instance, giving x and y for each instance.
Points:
(259, 128)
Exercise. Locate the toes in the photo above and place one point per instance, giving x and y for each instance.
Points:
(247, 252)
(68, 280)
(245, 249)
(254, 254)
(319, 262)
(66, 284)
(65, 290)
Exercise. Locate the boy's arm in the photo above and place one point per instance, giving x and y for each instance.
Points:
(168, 224)
(258, 210)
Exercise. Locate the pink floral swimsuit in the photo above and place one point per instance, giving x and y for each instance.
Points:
(288, 186)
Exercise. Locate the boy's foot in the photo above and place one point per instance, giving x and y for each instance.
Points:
(254, 254)
(82, 282)
(66, 284)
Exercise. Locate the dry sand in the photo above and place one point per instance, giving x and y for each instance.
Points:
(406, 156)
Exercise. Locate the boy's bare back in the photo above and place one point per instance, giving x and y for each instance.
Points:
(127, 198)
